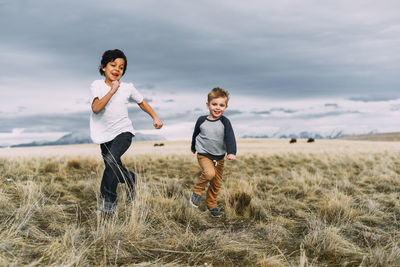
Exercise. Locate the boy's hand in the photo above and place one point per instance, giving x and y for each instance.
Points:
(157, 123)
(231, 157)
(193, 151)
(115, 86)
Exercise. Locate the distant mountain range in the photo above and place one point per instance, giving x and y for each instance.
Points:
(371, 136)
(84, 138)
(302, 135)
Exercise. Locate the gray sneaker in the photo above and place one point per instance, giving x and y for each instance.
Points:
(107, 207)
(195, 200)
(215, 212)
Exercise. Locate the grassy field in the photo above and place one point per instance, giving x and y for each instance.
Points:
(328, 203)
(394, 136)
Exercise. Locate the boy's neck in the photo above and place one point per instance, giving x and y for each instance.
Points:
(211, 118)
(108, 82)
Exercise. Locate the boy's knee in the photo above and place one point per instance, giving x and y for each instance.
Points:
(209, 174)
(109, 159)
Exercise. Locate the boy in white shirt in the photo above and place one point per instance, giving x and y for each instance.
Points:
(111, 127)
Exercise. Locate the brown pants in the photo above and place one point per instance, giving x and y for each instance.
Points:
(211, 173)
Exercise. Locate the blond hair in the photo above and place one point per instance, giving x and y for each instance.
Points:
(217, 93)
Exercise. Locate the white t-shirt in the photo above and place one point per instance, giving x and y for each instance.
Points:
(113, 119)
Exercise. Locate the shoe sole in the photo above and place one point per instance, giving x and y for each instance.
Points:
(106, 211)
(216, 216)
(102, 209)
(193, 204)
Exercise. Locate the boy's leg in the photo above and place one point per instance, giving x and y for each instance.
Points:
(114, 172)
(124, 175)
(215, 185)
(108, 182)
(208, 173)
(130, 186)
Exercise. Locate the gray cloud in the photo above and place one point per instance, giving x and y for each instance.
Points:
(232, 112)
(146, 86)
(303, 50)
(395, 107)
(309, 115)
(325, 114)
(47, 122)
(68, 122)
(264, 49)
(372, 98)
(290, 111)
(265, 112)
(272, 110)
(331, 105)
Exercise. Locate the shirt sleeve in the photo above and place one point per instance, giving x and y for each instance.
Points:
(230, 140)
(196, 132)
(95, 91)
(135, 96)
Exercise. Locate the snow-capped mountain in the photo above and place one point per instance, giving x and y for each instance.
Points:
(84, 138)
(329, 134)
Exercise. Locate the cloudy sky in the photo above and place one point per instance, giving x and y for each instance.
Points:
(290, 66)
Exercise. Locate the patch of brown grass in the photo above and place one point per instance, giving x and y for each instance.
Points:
(284, 209)
(75, 164)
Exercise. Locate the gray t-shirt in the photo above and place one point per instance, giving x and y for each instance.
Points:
(213, 138)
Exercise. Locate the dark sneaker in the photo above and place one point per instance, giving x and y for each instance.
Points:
(107, 207)
(195, 200)
(215, 212)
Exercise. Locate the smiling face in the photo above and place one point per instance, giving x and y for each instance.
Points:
(114, 70)
(217, 107)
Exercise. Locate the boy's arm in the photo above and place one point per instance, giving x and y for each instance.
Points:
(145, 106)
(230, 140)
(196, 132)
(99, 104)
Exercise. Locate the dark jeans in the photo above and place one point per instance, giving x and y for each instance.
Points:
(114, 171)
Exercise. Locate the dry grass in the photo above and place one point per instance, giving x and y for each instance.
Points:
(394, 136)
(329, 203)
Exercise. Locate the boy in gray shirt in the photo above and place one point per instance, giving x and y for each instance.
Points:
(213, 137)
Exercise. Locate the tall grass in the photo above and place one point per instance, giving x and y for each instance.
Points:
(282, 209)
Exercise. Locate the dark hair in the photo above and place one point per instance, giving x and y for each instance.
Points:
(110, 56)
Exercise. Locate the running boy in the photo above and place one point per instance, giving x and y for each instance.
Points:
(111, 127)
(213, 137)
